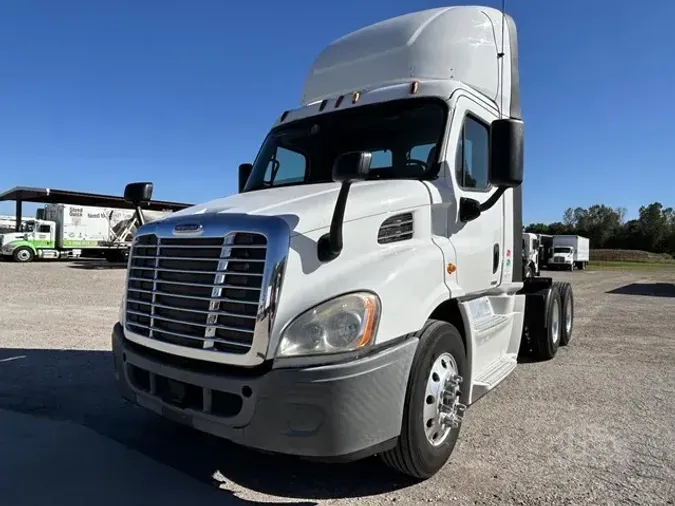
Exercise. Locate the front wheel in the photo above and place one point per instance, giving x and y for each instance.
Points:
(23, 254)
(434, 404)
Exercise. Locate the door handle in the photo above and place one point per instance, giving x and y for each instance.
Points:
(495, 258)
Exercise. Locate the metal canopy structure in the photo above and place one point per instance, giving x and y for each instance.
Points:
(21, 194)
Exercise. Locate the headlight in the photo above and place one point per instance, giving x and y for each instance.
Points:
(346, 323)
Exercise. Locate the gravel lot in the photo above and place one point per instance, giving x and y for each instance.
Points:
(594, 426)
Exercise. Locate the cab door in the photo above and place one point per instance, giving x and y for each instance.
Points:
(44, 233)
(478, 243)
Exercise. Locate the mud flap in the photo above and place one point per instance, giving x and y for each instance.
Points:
(537, 293)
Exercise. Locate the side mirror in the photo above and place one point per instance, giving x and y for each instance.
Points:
(347, 168)
(506, 153)
(352, 166)
(245, 170)
(138, 193)
(469, 209)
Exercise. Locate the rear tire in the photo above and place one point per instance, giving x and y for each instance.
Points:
(567, 311)
(23, 254)
(546, 340)
(418, 453)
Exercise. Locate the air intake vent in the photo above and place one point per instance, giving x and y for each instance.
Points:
(395, 229)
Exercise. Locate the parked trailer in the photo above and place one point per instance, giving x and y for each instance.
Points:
(67, 231)
(331, 314)
(570, 251)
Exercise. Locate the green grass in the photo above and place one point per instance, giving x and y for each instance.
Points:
(627, 266)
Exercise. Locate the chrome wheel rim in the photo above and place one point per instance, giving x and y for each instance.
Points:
(568, 317)
(23, 255)
(442, 410)
(555, 321)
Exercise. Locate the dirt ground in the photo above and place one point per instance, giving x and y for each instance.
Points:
(594, 426)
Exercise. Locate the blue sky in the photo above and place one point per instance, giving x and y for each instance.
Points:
(96, 94)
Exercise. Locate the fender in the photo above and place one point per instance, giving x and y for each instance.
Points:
(11, 246)
(391, 271)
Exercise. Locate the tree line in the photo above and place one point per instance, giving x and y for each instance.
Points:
(606, 227)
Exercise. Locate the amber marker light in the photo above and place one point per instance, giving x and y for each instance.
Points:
(451, 268)
(369, 326)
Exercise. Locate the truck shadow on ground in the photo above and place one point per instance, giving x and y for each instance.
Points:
(646, 289)
(77, 386)
(97, 265)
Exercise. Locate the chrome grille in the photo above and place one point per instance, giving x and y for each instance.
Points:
(199, 292)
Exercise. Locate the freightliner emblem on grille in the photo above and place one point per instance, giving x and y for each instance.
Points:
(187, 228)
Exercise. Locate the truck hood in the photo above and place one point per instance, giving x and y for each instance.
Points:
(310, 207)
(11, 236)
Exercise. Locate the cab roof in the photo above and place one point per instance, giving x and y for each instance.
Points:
(462, 43)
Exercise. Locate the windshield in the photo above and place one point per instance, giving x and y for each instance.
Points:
(400, 135)
(562, 250)
(27, 226)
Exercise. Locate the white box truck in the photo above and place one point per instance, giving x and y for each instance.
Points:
(67, 231)
(365, 286)
(570, 251)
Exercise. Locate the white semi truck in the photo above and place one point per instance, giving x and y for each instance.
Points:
(366, 285)
(531, 254)
(67, 231)
(570, 251)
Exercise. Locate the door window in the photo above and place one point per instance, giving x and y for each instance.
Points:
(471, 165)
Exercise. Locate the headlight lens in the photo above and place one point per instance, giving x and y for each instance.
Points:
(346, 323)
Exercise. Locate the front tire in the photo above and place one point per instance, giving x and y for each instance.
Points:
(434, 404)
(23, 254)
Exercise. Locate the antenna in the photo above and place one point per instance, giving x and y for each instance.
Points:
(500, 56)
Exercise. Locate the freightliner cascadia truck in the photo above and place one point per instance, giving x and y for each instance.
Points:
(365, 285)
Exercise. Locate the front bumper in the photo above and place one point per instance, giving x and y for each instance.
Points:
(333, 412)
